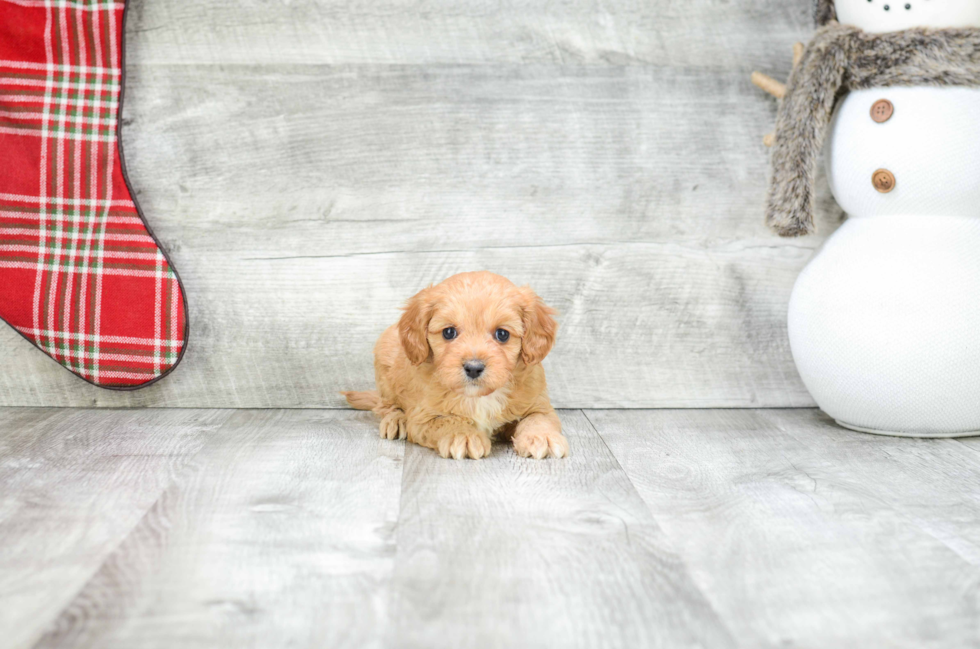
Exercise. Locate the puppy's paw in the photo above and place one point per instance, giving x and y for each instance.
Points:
(539, 442)
(462, 445)
(393, 425)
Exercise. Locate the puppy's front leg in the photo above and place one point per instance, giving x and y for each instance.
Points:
(539, 435)
(450, 436)
(393, 422)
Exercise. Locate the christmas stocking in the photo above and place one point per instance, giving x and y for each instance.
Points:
(81, 276)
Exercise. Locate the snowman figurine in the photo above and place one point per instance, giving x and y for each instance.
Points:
(884, 322)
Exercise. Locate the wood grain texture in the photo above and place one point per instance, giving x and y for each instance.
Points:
(300, 528)
(697, 33)
(312, 164)
(803, 534)
(73, 486)
(279, 534)
(508, 552)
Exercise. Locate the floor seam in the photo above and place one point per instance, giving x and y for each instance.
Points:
(672, 545)
(619, 464)
(389, 620)
(51, 626)
(900, 509)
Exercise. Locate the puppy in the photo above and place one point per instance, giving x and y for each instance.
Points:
(463, 364)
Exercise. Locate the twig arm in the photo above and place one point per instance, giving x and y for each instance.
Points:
(770, 85)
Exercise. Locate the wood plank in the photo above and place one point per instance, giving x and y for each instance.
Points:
(509, 552)
(803, 534)
(324, 161)
(572, 32)
(281, 534)
(162, 528)
(303, 204)
(936, 484)
(73, 484)
(277, 346)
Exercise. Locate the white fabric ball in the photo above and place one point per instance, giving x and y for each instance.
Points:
(931, 144)
(878, 16)
(884, 322)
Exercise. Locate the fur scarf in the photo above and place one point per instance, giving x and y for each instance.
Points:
(824, 11)
(840, 59)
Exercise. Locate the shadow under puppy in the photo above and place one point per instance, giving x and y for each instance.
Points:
(463, 364)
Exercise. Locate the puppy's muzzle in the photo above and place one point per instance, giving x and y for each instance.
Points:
(474, 369)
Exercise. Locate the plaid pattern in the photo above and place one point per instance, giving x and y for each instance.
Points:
(80, 274)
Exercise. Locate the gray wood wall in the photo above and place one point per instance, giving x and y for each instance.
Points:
(310, 164)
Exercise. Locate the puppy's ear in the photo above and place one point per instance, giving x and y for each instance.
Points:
(539, 327)
(413, 327)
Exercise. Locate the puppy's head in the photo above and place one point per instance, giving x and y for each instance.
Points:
(476, 328)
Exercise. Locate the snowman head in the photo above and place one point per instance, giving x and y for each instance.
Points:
(878, 16)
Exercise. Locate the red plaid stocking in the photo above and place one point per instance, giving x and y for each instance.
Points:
(81, 276)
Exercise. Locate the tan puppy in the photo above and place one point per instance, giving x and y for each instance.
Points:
(464, 363)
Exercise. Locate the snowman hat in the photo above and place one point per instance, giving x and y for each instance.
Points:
(825, 11)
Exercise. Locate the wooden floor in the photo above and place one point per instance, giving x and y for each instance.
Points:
(300, 528)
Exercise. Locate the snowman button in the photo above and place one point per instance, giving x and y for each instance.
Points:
(883, 180)
(882, 111)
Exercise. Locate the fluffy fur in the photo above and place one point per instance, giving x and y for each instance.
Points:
(824, 11)
(423, 392)
(839, 59)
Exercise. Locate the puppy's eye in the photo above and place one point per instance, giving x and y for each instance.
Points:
(502, 335)
(449, 333)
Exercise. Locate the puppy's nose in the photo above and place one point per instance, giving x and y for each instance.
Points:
(474, 368)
